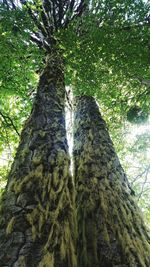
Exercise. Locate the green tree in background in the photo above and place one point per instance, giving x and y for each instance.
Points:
(93, 47)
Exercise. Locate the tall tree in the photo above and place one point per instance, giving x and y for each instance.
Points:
(111, 231)
(37, 218)
(37, 209)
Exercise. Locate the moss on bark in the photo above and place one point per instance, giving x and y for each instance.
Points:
(38, 205)
(111, 231)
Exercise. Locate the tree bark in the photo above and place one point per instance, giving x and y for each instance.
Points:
(37, 209)
(111, 232)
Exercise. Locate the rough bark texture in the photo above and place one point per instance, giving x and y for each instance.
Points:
(37, 227)
(110, 227)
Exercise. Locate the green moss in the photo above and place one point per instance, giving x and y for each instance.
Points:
(28, 179)
(36, 159)
(120, 218)
(10, 226)
(94, 241)
(25, 151)
(63, 249)
(38, 173)
(42, 133)
(103, 204)
(65, 171)
(72, 255)
(90, 135)
(22, 262)
(55, 197)
(105, 234)
(48, 243)
(90, 205)
(17, 185)
(32, 218)
(49, 178)
(47, 260)
(56, 177)
(95, 181)
(68, 248)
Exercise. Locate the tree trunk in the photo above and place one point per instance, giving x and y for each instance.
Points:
(111, 231)
(37, 209)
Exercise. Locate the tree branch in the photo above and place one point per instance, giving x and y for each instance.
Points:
(145, 180)
(145, 82)
(76, 13)
(10, 123)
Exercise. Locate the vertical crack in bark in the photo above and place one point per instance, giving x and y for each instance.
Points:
(111, 231)
(38, 204)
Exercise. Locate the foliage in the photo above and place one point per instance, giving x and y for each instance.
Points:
(20, 60)
(132, 143)
(137, 115)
